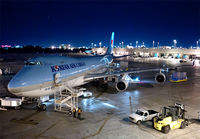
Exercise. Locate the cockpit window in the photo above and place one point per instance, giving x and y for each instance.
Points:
(33, 63)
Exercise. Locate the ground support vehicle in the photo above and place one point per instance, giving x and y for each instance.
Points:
(172, 117)
(10, 102)
(178, 77)
(143, 115)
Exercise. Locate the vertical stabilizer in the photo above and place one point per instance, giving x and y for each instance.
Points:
(110, 47)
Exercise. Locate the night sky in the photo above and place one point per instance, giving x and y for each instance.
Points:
(47, 22)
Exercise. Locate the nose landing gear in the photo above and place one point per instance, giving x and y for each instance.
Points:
(41, 106)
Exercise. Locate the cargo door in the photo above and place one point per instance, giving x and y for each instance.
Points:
(57, 78)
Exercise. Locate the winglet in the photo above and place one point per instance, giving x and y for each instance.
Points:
(110, 47)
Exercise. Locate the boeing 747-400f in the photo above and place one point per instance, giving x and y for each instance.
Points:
(41, 75)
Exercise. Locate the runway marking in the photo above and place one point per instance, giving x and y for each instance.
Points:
(40, 135)
(99, 130)
(25, 120)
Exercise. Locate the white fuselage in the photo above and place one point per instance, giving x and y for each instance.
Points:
(33, 81)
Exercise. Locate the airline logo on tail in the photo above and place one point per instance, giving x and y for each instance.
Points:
(110, 48)
(112, 39)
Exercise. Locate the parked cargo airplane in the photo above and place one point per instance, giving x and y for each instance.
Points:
(41, 75)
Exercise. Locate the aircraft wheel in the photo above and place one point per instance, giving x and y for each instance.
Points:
(43, 107)
(38, 108)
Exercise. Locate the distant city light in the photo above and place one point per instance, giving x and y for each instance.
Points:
(136, 44)
(6, 46)
(52, 47)
(175, 41)
(100, 44)
(18, 46)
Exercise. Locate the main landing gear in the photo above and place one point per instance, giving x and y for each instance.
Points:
(41, 107)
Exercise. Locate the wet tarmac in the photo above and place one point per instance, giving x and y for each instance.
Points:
(105, 114)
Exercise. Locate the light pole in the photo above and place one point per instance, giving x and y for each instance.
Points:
(136, 44)
(158, 45)
(175, 42)
(100, 44)
(197, 44)
(92, 44)
(122, 44)
(153, 43)
(142, 44)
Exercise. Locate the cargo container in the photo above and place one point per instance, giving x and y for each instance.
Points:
(178, 77)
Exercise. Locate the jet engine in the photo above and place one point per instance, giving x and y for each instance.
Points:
(160, 78)
(122, 85)
(123, 82)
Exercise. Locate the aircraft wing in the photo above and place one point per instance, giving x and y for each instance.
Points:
(118, 73)
(181, 66)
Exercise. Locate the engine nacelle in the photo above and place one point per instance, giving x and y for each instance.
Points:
(122, 85)
(160, 78)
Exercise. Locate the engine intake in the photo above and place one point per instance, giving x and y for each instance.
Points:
(160, 78)
(122, 85)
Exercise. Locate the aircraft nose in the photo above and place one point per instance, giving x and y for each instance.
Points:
(13, 88)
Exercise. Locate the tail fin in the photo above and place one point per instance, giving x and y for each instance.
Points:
(110, 47)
